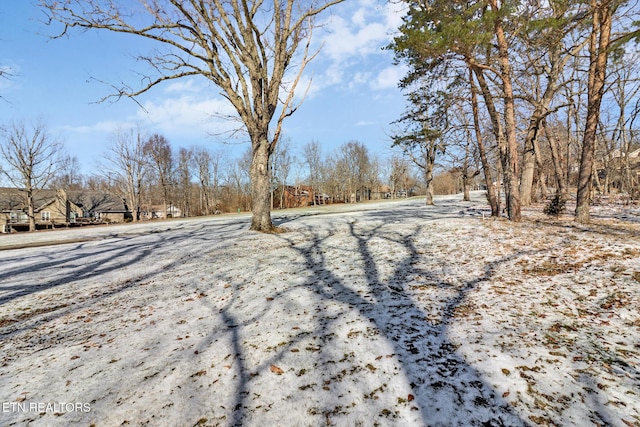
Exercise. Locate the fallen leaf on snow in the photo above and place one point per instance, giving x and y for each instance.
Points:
(276, 370)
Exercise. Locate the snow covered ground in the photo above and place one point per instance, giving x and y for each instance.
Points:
(391, 314)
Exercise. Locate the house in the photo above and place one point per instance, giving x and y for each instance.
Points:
(615, 169)
(157, 211)
(55, 208)
(52, 208)
(291, 196)
(101, 207)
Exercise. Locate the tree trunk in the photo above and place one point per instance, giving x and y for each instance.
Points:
(31, 210)
(541, 174)
(428, 180)
(529, 162)
(598, 52)
(561, 177)
(260, 183)
(510, 158)
(465, 184)
(486, 167)
(531, 156)
(528, 172)
(497, 126)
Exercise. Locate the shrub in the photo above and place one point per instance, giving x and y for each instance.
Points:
(555, 206)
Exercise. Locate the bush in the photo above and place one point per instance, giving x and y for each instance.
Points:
(555, 206)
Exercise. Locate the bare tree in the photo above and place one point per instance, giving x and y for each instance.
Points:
(183, 175)
(238, 182)
(281, 164)
(126, 163)
(397, 174)
(354, 167)
(30, 159)
(245, 47)
(312, 158)
(332, 181)
(208, 172)
(158, 152)
(551, 132)
(69, 176)
(202, 163)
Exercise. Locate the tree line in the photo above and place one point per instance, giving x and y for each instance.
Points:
(522, 85)
(151, 176)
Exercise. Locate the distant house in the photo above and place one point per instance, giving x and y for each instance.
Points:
(101, 207)
(612, 167)
(52, 208)
(293, 196)
(157, 211)
(383, 192)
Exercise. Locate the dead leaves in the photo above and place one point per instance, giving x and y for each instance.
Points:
(276, 370)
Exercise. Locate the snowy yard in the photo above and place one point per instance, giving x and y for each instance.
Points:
(395, 314)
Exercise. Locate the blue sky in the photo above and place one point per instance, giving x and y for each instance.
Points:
(353, 93)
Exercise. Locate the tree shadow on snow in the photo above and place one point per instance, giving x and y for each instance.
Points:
(448, 391)
(65, 265)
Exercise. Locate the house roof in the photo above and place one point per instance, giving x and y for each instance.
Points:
(617, 153)
(94, 201)
(13, 199)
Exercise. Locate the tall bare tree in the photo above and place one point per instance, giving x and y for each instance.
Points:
(398, 172)
(245, 47)
(208, 172)
(126, 164)
(202, 163)
(353, 163)
(492, 197)
(30, 159)
(68, 176)
(184, 172)
(281, 164)
(312, 158)
(158, 152)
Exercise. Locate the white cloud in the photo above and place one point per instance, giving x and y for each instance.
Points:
(348, 39)
(353, 40)
(183, 85)
(189, 117)
(183, 117)
(389, 77)
(102, 127)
